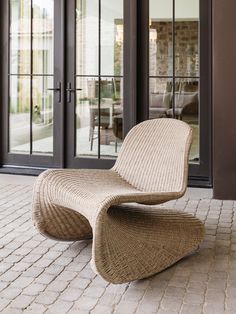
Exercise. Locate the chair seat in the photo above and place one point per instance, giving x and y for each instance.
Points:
(87, 192)
(83, 190)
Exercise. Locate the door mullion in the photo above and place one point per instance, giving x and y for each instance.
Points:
(59, 80)
(142, 62)
(31, 76)
(70, 58)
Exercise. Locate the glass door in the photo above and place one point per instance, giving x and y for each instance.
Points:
(176, 71)
(81, 73)
(95, 82)
(33, 103)
(68, 78)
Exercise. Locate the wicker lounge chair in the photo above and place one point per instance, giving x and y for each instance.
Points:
(130, 241)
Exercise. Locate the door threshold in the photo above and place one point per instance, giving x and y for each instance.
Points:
(19, 170)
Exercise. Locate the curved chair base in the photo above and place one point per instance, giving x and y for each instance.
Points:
(130, 241)
(134, 241)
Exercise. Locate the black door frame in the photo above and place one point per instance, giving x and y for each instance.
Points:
(11, 160)
(64, 139)
(199, 174)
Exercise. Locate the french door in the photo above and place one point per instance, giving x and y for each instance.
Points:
(33, 83)
(81, 73)
(66, 81)
(100, 108)
(174, 71)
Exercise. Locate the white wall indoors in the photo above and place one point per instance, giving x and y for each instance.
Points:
(110, 11)
(184, 9)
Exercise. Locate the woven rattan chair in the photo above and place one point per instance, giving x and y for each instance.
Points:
(130, 241)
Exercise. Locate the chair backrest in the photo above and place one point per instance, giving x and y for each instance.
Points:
(154, 156)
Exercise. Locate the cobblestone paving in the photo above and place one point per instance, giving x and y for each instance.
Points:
(38, 275)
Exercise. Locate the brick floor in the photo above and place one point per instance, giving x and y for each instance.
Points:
(38, 275)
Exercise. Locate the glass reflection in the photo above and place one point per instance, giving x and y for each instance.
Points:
(175, 97)
(19, 131)
(92, 121)
(187, 37)
(187, 109)
(187, 56)
(26, 89)
(87, 117)
(43, 43)
(99, 106)
(187, 93)
(87, 37)
(161, 38)
(112, 38)
(111, 116)
(20, 27)
(42, 115)
(160, 97)
(111, 83)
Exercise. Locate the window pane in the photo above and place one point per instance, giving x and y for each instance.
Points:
(160, 98)
(111, 102)
(112, 41)
(87, 46)
(86, 117)
(187, 94)
(187, 37)
(42, 115)
(187, 9)
(20, 26)
(111, 116)
(43, 33)
(160, 38)
(19, 129)
(104, 85)
(187, 109)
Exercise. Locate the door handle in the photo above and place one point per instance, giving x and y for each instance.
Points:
(70, 90)
(57, 89)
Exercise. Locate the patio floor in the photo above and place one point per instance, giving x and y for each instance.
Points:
(38, 275)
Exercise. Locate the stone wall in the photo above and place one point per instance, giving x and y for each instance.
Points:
(161, 50)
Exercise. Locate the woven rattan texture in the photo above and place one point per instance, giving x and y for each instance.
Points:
(130, 241)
